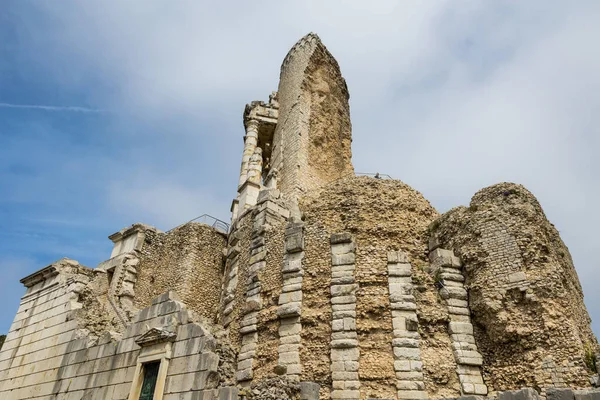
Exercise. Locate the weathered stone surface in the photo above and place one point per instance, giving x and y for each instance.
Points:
(523, 394)
(343, 237)
(309, 391)
(559, 394)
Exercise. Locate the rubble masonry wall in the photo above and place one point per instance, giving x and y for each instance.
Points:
(187, 260)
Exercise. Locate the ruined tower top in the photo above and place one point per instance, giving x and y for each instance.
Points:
(304, 131)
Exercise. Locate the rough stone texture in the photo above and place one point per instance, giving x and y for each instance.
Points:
(529, 318)
(64, 361)
(449, 278)
(382, 216)
(311, 144)
(268, 322)
(179, 260)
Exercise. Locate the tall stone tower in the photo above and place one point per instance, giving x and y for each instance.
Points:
(300, 140)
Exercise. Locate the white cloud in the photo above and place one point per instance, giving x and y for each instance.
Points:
(447, 97)
(161, 201)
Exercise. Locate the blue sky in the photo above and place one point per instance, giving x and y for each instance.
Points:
(119, 112)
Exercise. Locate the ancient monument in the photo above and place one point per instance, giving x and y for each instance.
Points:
(327, 285)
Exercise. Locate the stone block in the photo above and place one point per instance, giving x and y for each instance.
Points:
(289, 329)
(343, 248)
(451, 292)
(399, 270)
(309, 390)
(523, 394)
(481, 389)
(233, 251)
(345, 394)
(395, 257)
(403, 305)
(458, 310)
(587, 395)
(412, 395)
(244, 375)
(470, 397)
(345, 279)
(294, 228)
(344, 343)
(344, 376)
(398, 298)
(452, 277)
(289, 310)
(465, 328)
(400, 289)
(290, 339)
(344, 307)
(407, 353)
(257, 242)
(228, 393)
(457, 303)
(343, 259)
(343, 300)
(292, 265)
(260, 256)
(170, 295)
(409, 385)
(351, 354)
(244, 364)
(409, 375)
(343, 290)
(294, 243)
(469, 360)
(290, 357)
(344, 314)
(343, 237)
(339, 335)
(290, 297)
(405, 342)
(441, 257)
(402, 366)
(248, 329)
(287, 287)
(342, 270)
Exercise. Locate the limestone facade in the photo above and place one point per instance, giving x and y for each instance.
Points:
(326, 285)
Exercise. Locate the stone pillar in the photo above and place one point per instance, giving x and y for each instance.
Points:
(290, 301)
(448, 271)
(254, 303)
(255, 166)
(407, 354)
(345, 352)
(250, 141)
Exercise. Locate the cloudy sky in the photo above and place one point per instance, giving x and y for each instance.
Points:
(115, 112)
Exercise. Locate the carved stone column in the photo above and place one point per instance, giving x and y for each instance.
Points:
(255, 166)
(250, 141)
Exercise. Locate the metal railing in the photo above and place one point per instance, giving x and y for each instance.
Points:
(376, 175)
(207, 220)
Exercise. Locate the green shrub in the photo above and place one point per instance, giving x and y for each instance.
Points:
(589, 357)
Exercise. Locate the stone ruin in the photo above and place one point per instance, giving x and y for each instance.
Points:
(327, 285)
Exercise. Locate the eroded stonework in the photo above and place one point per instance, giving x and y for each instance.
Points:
(326, 285)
